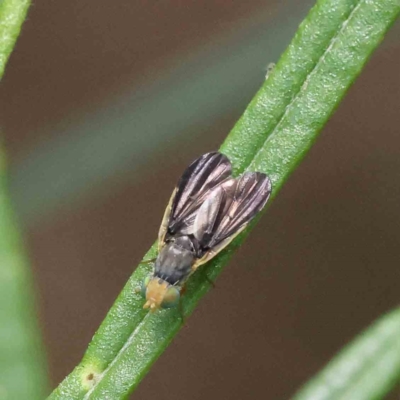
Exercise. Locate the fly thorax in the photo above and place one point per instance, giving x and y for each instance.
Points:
(174, 263)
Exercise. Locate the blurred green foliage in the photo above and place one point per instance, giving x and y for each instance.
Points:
(367, 368)
(22, 366)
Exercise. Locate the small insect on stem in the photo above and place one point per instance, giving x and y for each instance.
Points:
(207, 210)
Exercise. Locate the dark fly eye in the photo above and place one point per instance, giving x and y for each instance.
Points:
(145, 283)
(171, 298)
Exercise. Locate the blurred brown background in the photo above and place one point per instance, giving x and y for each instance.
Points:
(105, 103)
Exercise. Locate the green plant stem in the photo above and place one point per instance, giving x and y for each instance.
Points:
(328, 52)
(12, 15)
(23, 372)
(22, 365)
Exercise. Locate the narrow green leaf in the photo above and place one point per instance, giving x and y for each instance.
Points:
(12, 15)
(22, 366)
(277, 129)
(366, 368)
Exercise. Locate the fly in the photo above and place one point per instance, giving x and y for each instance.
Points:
(207, 210)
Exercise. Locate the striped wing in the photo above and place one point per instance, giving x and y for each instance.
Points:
(228, 210)
(195, 185)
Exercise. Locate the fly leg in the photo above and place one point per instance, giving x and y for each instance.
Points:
(206, 276)
(209, 280)
(181, 314)
(180, 306)
(148, 261)
(138, 289)
(204, 270)
(270, 68)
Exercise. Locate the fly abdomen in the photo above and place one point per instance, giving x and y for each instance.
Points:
(174, 263)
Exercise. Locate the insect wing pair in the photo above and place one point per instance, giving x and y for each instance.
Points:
(207, 210)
